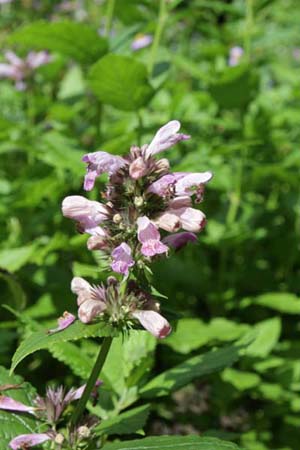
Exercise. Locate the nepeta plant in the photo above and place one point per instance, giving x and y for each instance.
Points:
(146, 212)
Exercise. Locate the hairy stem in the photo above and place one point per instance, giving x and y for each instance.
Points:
(162, 16)
(92, 380)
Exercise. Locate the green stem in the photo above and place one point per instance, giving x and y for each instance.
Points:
(109, 16)
(140, 127)
(92, 380)
(248, 27)
(162, 16)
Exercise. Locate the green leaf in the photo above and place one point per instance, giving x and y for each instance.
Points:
(284, 302)
(126, 423)
(121, 81)
(15, 258)
(240, 380)
(76, 40)
(268, 333)
(70, 354)
(191, 334)
(235, 88)
(78, 330)
(13, 424)
(16, 293)
(174, 443)
(192, 368)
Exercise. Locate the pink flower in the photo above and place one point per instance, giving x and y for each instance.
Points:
(235, 54)
(164, 186)
(87, 213)
(63, 322)
(192, 183)
(141, 41)
(153, 322)
(179, 240)
(37, 59)
(149, 237)
(28, 440)
(138, 168)
(90, 299)
(9, 404)
(166, 137)
(189, 219)
(98, 163)
(122, 259)
(18, 69)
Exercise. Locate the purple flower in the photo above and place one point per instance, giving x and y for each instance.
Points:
(149, 237)
(141, 41)
(122, 259)
(98, 163)
(87, 213)
(179, 240)
(235, 55)
(63, 322)
(37, 59)
(189, 219)
(18, 69)
(24, 441)
(153, 322)
(166, 137)
(164, 186)
(192, 183)
(90, 299)
(9, 404)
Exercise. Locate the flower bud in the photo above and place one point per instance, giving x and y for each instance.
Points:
(138, 201)
(138, 168)
(59, 439)
(84, 432)
(117, 218)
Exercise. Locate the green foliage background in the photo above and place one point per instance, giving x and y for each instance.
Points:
(242, 276)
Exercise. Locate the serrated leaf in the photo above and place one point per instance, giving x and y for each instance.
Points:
(121, 81)
(76, 40)
(70, 354)
(173, 443)
(13, 424)
(125, 423)
(192, 368)
(40, 339)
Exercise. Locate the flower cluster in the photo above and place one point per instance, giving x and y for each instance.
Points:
(19, 70)
(48, 409)
(145, 211)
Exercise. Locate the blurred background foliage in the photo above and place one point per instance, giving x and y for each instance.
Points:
(98, 93)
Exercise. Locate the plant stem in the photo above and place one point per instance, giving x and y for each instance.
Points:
(109, 16)
(162, 16)
(248, 27)
(92, 380)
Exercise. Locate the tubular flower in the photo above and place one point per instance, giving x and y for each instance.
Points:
(149, 236)
(153, 322)
(98, 163)
(18, 69)
(48, 409)
(90, 299)
(122, 259)
(141, 197)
